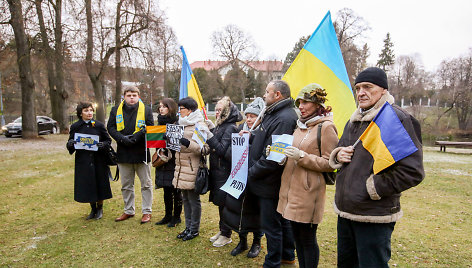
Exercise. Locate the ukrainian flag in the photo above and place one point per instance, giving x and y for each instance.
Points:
(188, 83)
(320, 61)
(386, 139)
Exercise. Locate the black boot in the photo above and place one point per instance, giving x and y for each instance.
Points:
(255, 250)
(177, 196)
(93, 211)
(99, 213)
(168, 207)
(242, 246)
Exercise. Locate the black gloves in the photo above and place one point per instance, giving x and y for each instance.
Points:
(70, 144)
(102, 145)
(185, 142)
(139, 135)
(127, 140)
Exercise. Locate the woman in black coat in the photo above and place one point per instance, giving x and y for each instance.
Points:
(242, 214)
(227, 115)
(165, 173)
(91, 175)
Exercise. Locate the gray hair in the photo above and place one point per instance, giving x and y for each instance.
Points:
(282, 87)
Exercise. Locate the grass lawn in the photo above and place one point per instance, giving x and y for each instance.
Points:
(41, 224)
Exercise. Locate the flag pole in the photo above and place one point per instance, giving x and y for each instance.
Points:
(145, 147)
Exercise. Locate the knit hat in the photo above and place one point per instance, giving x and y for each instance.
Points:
(373, 75)
(312, 93)
(255, 107)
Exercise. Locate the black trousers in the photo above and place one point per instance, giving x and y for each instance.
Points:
(363, 244)
(306, 244)
(225, 230)
(172, 201)
(278, 232)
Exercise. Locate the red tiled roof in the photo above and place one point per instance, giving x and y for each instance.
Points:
(260, 66)
(208, 65)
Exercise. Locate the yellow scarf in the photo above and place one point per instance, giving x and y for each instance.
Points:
(140, 118)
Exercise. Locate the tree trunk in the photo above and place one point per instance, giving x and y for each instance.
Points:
(29, 125)
(118, 54)
(94, 78)
(62, 95)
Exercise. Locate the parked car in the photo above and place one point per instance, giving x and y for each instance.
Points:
(46, 125)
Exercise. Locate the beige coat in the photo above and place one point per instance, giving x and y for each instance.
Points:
(187, 160)
(303, 189)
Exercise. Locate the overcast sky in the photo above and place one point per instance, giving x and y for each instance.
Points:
(435, 30)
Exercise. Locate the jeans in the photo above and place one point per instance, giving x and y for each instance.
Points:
(308, 252)
(278, 232)
(192, 210)
(363, 244)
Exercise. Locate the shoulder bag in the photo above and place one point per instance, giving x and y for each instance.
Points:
(330, 177)
(203, 175)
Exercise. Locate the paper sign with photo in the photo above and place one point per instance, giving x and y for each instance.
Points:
(174, 133)
(199, 136)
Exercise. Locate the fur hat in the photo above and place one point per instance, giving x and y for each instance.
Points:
(255, 107)
(373, 75)
(312, 93)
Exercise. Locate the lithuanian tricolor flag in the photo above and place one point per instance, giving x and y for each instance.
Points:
(155, 136)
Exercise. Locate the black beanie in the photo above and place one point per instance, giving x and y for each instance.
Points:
(373, 75)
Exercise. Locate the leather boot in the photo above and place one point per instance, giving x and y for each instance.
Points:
(99, 213)
(255, 248)
(93, 211)
(242, 246)
(168, 207)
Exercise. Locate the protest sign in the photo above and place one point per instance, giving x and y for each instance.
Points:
(86, 142)
(199, 136)
(237, 180)
(174, 133)
(277, 148)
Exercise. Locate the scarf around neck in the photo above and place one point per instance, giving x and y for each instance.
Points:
(140, 117)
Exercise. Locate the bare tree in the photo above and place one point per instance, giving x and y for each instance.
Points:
(233, 44)
(29, 126)
(54, 62)
(350, 29)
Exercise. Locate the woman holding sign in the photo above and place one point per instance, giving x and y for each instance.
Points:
(165, 172)
(219, 140)
(91, 183)
(186, 166)
(303, 188)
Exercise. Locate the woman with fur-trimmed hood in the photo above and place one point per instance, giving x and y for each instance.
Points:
(227, 115)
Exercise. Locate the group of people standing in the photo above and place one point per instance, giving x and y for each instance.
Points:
(283, 201)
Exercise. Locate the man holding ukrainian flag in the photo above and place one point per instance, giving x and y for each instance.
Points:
(378, 157)
(127, 124)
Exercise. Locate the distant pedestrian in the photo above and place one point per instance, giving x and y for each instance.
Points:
(91, 173)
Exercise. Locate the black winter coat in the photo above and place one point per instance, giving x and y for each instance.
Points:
(165, 173)
(136, 152)
(91, 182)
(264, 176)
(220, 160)
(242, 214)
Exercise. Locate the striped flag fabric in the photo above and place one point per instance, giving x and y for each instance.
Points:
(155, 136)
(320, 61)
(188, 84)
(386, 139)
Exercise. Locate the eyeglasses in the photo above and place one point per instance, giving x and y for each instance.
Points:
(181, 108)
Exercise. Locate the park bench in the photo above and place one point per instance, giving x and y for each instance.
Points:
(461, 144)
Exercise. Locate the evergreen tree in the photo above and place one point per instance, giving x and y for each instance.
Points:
(293, 54)
(386, 56)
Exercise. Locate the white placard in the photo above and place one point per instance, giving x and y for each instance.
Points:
(199, 136)
(237, 180)
(86, 142)
(174, 133)
(277, 148)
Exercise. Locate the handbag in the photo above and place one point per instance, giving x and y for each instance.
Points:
(329, 177)
(203, 175)
(112, 160)
(157, 161)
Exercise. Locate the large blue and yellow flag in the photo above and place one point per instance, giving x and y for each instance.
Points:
(188, 83)
(386, 139)
(320, 61)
